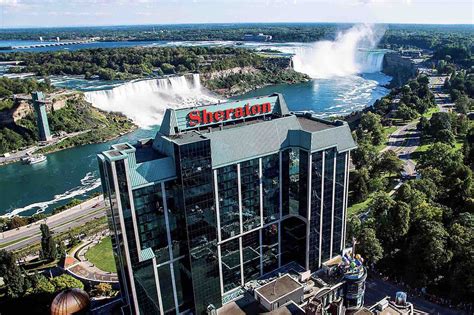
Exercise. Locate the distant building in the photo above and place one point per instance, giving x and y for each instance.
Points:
(41, 116)
(257, 38)
(224, 195)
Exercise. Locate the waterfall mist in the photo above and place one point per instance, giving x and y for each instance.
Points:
(145, 101)
(350, 53)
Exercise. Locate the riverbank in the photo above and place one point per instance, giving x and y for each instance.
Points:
(74, 123)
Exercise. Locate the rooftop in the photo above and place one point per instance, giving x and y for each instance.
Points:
(278, 288)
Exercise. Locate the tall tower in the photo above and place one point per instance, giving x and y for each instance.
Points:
(41, 116)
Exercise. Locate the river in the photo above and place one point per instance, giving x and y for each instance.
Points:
(351, 82)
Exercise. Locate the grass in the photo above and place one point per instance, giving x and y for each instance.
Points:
(387, 131)
(101, 255)
(359, 207)
(430, 112)
(14, 242)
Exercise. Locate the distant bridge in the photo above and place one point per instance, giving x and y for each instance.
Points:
(41, 45)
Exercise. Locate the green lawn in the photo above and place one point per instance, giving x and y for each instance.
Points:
(101, 255)
(430, 112)
(359, 207)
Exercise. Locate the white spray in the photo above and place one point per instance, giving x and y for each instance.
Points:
(145, 101)
(347, 55)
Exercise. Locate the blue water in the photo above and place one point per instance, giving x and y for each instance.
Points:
(65, 175)
(72, 173)
(328, 97)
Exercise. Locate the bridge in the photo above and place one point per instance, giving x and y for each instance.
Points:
(41, 45)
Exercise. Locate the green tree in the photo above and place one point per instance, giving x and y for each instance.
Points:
(406, 113)
(48, 245)
(66, 281)
(41, 284)
(428, 251)
(369, 245)
(390, 163)
(463, 104)
(12, 275)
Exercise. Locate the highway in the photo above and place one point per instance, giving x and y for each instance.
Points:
(63, 221)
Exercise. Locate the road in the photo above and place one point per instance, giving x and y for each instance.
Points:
(63, 221)
(404, 141)
(377, 289)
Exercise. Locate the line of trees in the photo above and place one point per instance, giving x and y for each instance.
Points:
(422, 235)
(136, 62)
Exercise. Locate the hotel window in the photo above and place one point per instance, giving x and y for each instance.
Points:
(228, 193)
(250, 190)
(271, 187)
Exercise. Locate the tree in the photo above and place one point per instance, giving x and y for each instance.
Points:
(104, 289)
(406, 113)
(428, 251)
(370, 123)
(369, 246)
(17, 222)
(462, 104)
(41, 284)
(48, 245)
(12, 275)
(390, 162)
(364, 156)
(440, 156)
(65, 281)
(359, 180)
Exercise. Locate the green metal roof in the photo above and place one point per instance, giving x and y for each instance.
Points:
(152, 171)
(146, 254)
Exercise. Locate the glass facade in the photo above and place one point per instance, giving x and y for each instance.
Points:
(150, 216)
(329, 156)
(228, 191)
(194, 168)
(315, 222)
(251, 255)
(270, 248)
(231, 266)
(177, 219)
(271, 187)
(146, 291)
(339, 203)
(293, 241)
(166, 286)
(250, 191)
(295, 182)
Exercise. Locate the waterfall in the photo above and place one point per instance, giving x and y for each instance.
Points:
(145, 101)
(352, 52)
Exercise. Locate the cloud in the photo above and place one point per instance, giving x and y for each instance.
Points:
(9, 3)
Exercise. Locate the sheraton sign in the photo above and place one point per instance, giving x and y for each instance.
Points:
(202, 117)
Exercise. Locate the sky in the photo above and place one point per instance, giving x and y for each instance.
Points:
(48, 13)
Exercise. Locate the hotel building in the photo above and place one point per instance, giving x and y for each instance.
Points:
(223, 195)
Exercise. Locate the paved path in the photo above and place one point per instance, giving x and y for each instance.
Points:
(77, 263)
(76, 216)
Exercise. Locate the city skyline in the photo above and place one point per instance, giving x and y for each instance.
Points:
(32, 13)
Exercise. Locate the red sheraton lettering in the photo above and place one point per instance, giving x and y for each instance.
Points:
(198, 117)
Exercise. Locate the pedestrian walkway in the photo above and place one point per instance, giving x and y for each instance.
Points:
(77, 264)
